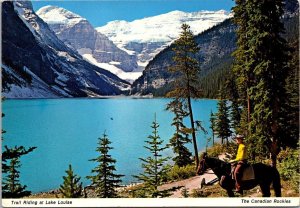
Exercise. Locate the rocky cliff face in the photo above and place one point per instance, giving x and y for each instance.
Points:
(79, 34)
(36, 63)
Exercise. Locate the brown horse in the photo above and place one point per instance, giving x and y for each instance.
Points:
(265, 175)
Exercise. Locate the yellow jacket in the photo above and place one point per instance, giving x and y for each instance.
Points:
(241, 153)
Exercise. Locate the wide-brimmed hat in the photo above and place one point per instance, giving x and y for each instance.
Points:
(239, 136)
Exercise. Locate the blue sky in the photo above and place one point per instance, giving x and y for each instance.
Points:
(99, 12)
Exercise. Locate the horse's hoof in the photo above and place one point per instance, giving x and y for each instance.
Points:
(203, 183)
(239, 192)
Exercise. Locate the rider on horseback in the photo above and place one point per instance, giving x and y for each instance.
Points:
(240, 161)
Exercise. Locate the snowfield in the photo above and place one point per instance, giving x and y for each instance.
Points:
(128, 76)
(57, 15)
(161, 28)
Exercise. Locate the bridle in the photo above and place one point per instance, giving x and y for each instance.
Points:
(202, 165)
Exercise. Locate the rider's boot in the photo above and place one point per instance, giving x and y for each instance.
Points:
(238, 189)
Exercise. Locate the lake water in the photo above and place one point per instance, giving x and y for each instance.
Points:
(66, 131)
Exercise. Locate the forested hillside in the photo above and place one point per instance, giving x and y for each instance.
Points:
(215, 57)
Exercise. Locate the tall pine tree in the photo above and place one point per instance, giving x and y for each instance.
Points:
(105, 180)
(154, 165)
(235, 108)
(222, 120)
(11, 187)
(212, 120)
(71, 187)
(262, 55)
(292, 86)
(181, 136)
(244, 75)
(187, 69)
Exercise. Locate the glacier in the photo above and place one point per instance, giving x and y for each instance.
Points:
(141, 39)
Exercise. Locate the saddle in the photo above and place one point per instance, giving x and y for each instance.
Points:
(248, 172)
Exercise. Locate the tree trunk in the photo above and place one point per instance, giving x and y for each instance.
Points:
(193, 131)
(249, 108)
(274, 151)
(273, 160)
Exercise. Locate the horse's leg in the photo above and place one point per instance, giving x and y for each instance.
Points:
(265, 189)
(230, 193)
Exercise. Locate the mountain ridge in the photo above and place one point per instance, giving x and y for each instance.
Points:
(213, 50)
(76, 32)
(146, 37)
(216, 46)
(36, 63)
(80, 35)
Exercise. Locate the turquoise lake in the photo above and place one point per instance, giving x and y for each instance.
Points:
(66, 131)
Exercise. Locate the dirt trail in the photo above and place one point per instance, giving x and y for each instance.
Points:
(190, 184)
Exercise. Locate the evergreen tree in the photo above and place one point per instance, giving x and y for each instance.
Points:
(105, 180)
(11, 187)
(262, 53)
(235, 109)
(212, 120)
(71, 188)
(243, 73)
(187, 68)
(181, 136)
(13, 153)
(291, 109)
(154, 165)
(222, 120)
(235, 115)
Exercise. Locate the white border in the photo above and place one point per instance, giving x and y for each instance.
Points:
(142, 202)
(163, 202)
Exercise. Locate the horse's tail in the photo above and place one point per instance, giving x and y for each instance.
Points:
(276, 182)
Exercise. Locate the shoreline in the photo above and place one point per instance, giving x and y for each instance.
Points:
(81, 98)
(101, 97)
(190, 183)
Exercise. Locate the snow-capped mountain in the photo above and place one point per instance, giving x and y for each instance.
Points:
(137, 42)
(78, 33)
(215, 57)
(148, 36)
(35, 63)
(216, 46)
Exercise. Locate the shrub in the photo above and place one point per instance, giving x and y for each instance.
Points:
(185, 192)
(288, 167)
(137, 192)
(195, 193)
(218, 149)
(180, 173)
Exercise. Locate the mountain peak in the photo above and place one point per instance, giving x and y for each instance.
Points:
(58, 15)
(24, 4)
(161, 28)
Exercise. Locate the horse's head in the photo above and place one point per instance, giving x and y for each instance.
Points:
(202, 164)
